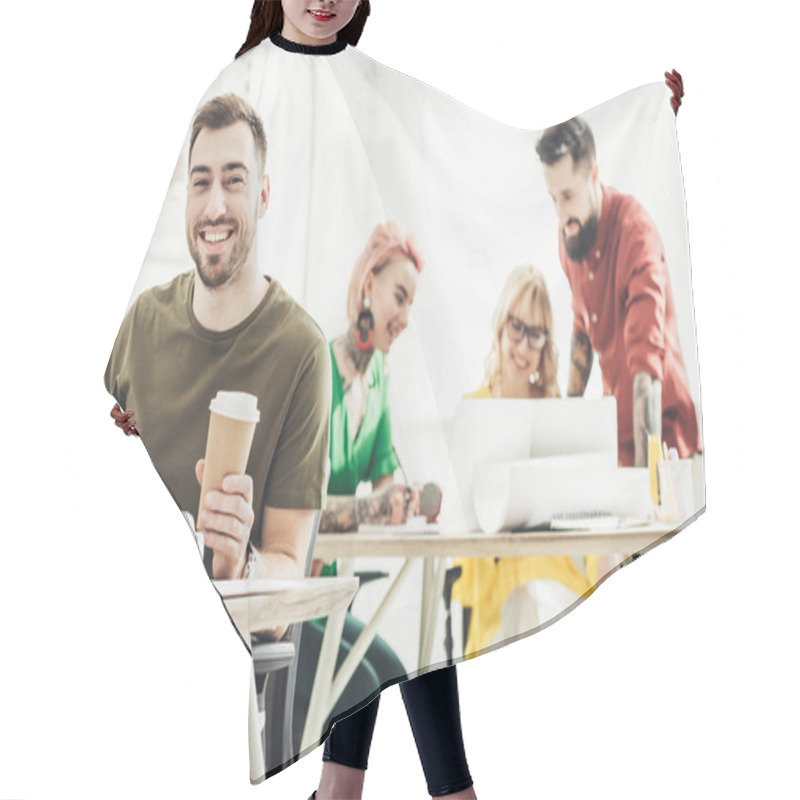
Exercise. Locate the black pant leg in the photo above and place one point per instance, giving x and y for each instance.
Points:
(351, 737)
(434, 713)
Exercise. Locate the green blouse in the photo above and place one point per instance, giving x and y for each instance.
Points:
(371, 455)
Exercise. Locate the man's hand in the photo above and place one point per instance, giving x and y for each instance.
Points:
(225, 521)
(646, 414)
(580, 365)
(674, 81)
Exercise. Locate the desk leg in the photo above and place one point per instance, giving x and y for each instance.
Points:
(432, 588)
(319, 703)
(326, 692)
(257, 768)
(427, 592)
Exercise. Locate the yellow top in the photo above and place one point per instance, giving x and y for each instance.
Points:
(486, 583)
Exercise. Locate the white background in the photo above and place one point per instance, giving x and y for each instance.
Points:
(119, 673)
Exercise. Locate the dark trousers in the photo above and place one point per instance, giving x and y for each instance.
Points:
(432, 706)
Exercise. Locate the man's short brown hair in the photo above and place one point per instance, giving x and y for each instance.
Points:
(224, 111)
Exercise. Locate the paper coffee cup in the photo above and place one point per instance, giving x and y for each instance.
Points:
(231, 427)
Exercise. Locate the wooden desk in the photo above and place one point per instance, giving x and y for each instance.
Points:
(330, 546)
(260, 605)
(435, 549)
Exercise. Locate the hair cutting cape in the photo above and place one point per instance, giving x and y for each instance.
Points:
(539, 498)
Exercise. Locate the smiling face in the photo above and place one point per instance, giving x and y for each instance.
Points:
(391, 292)
(574, 194)
(316, 22)
(518, 360)
(227, 195)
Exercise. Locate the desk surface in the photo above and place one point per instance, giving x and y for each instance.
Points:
(488, 545)
(262, 604)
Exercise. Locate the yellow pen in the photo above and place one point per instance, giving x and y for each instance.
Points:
(653, 457)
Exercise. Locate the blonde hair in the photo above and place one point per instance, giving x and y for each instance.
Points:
(523, 280)
(385, 243)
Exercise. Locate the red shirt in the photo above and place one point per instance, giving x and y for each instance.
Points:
(622, 299)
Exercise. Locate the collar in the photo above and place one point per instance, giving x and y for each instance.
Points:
(308, 49)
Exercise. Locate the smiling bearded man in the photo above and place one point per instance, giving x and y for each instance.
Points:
(222, 214)
(233, 330)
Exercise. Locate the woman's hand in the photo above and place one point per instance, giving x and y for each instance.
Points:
(225, 522)
(396, 504)
(124, 420)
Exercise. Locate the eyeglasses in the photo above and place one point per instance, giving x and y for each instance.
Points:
(518, 330)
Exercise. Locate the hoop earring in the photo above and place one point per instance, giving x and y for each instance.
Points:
(365, 333)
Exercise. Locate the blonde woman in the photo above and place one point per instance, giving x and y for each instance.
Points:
(522, 362)
(508, 596)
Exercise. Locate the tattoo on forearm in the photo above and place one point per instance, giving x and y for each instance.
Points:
(339, 515)
(375, 509)
(646, 413)
(344, 514)
(580, 364)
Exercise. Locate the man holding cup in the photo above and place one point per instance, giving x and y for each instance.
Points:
(225, 343)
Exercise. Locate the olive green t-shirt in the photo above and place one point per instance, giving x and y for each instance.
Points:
(166, 368)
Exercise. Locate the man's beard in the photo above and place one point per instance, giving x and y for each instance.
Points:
(212, 269)
(579, 246)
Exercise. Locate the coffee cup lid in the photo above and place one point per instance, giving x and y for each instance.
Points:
(236, 405)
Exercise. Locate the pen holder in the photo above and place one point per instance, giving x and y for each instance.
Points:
(676, 484)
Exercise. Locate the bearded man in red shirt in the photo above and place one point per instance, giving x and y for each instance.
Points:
(622, 300)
